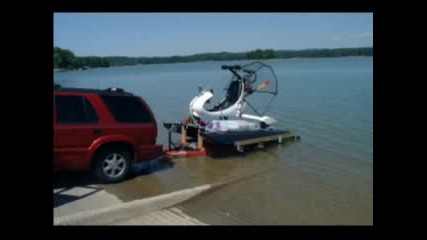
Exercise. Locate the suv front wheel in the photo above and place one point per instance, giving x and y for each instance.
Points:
(112, 165)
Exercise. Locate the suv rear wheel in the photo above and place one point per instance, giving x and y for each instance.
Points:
(112, 165)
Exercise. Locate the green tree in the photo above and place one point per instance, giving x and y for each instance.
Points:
(63, 58)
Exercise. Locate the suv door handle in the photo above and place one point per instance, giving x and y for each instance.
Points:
(97, 131)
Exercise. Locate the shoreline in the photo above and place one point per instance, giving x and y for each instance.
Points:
(56, 70)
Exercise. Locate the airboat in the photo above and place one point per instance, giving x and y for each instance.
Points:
(232, 122)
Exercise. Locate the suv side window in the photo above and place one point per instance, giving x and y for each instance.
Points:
(127, 109)
(74, 110)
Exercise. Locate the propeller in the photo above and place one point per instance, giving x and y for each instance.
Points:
(266, 84)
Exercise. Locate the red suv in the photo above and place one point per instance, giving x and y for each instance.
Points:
(102, 130)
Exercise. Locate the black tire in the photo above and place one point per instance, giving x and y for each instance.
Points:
(120, 173)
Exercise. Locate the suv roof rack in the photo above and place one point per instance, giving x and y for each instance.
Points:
(113, 89)
(108, 91)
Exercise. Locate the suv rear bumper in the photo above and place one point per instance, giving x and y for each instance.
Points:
(148, 152)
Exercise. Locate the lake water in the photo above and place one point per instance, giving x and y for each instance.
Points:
(326, 178)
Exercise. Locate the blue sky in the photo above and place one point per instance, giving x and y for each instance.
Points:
(167, 34)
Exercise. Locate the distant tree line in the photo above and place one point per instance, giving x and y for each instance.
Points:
(320, 53)
(262, 54)
(64, 58)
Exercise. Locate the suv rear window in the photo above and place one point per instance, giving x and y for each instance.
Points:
(127, 109)
(74, 109)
